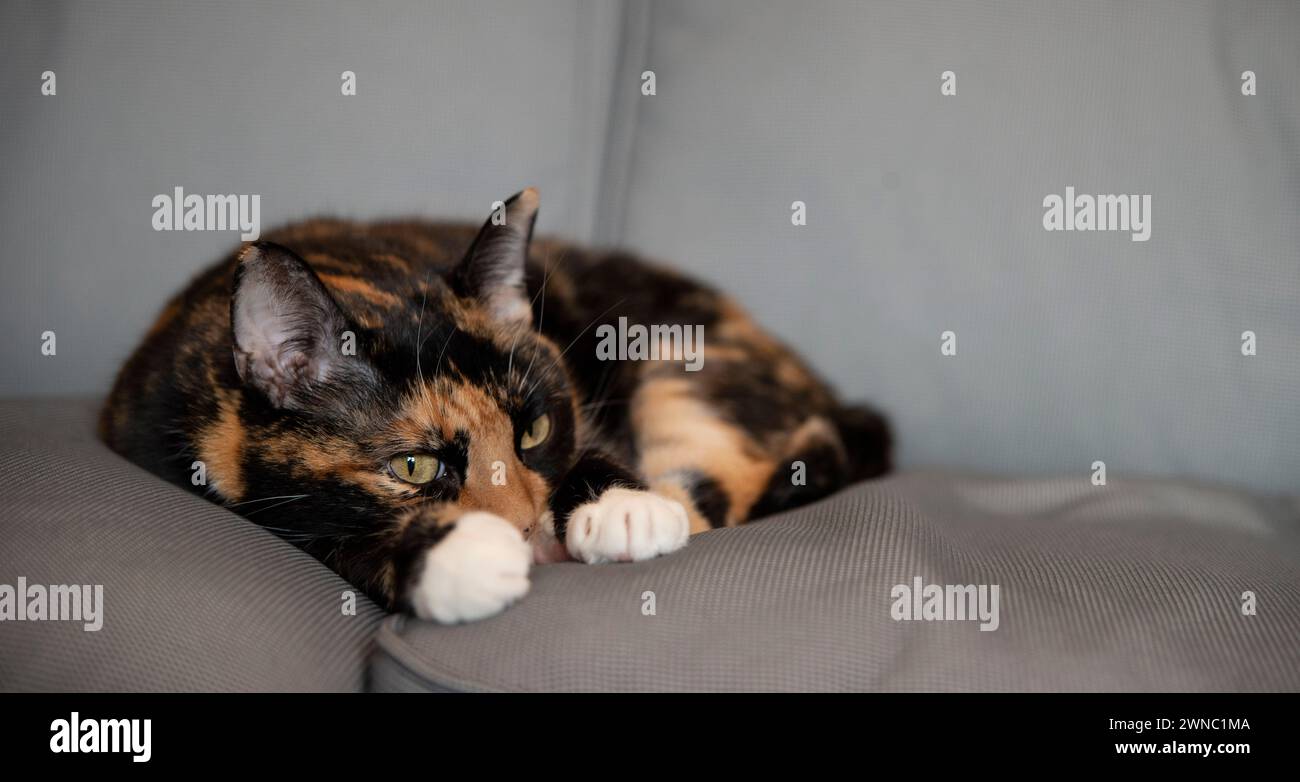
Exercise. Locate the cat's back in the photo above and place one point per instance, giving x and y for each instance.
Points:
(382, 274)
(377, 269)
(177, 377)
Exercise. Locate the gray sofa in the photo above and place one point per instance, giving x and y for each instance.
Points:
(924, 217)
(1132, 586)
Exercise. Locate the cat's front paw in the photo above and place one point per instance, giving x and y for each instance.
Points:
(626, 525)
(478, 569)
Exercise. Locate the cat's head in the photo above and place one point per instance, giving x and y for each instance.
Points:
(374, 404)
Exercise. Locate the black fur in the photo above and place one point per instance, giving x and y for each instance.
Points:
(586, 481)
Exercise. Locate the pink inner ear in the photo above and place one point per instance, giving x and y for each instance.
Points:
(278, 378)
(262, 331)
(510, 306)
(272, 351)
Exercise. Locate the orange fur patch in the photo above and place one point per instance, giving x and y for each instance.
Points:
(221, 449)
(356, 286)
(676, 431)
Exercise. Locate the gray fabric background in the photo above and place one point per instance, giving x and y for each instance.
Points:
(457, 105)
(924, 211)
(195, 597)
(1134, 586)
(924, 215)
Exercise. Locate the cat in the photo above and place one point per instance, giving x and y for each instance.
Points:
(424, 407)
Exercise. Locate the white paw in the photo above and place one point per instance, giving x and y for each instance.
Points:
(478, 569)
(626, 525)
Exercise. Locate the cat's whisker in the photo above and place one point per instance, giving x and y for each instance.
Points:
(292, 535)
(437, 369)
(556, 362)
(599, 401)
(278, 504)
(422, 388)
(546, 278)
(419, 322)
(541, 318)
(265, 499)
(510, 364)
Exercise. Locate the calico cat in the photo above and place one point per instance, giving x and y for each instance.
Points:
(425, 409)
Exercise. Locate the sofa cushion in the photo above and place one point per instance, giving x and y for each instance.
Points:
(1136, 585)
(194, 597)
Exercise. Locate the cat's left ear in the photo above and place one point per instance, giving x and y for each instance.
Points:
(288, 332)
(493, 268)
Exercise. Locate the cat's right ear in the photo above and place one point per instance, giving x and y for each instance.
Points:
(287, 330)
(493, 268)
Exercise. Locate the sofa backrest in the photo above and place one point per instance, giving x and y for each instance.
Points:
(925, 215)
(924, 211)
(457, 105)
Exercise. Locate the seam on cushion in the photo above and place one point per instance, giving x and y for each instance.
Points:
(390, 642)
(620, 131)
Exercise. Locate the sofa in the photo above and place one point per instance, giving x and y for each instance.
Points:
(1134, 586)
(1105, 430)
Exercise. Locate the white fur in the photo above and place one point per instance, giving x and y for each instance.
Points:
(477, 570)
(626, 525)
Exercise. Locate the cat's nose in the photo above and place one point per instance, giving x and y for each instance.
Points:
(503, 486)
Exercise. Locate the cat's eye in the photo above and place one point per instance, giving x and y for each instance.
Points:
(536, 433)
(416, 468)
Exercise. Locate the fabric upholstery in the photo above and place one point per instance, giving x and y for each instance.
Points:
(457, 105)
(194, 597)
(924, 215)
(1136, 585)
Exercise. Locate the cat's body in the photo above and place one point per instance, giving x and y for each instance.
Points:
(410, 402)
